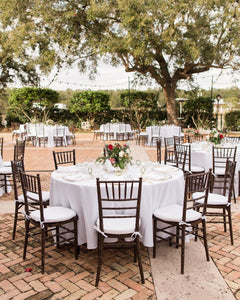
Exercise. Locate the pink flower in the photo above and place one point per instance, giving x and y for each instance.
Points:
(110, 147)
(112, 160)
(125, 145)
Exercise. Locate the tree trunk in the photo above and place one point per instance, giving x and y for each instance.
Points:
(172, 112)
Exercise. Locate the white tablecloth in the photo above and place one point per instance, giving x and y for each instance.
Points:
(165, 131)
(81, 196)
(202, 157)
(49, 132)
(115, 128)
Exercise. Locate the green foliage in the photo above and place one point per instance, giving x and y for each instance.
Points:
(89, 104)
(21, 103)
(165, 41)
(232, 120)
(198, 112)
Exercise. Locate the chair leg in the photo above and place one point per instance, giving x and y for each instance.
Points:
(205, 238)
(100, 253)
(26, 238)
(154, 236)
(224, 220)
(17, 206)
(177, 236)
(182, 248)
(57, 236)
(76, 239)
(42, 248)
(230, 223)
(139, 259)
(234, 195)
(135, 253)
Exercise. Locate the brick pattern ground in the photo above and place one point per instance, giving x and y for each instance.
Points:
(67, 278)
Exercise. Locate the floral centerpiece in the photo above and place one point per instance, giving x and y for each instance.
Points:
(118, 155)
(215, 137)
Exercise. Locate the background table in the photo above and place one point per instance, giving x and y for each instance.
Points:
(81, 196)
(165, 131)
(49, 132)
(115, 128)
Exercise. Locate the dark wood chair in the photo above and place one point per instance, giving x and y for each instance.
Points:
(188, 164)
(40, 221)
(181, 160)
(178, 140)
(195, 138)
(64, 158)
(219, 160)
(182, 220)
(125, 197)
(232, 139)
(19, 151)
(169, 151)
(219, 203)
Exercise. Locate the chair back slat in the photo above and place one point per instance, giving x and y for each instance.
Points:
(1, 147)
(159, 150)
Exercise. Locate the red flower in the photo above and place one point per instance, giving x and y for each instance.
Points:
(125, 145)
(28, 270)
(110, 147)
(221, 136)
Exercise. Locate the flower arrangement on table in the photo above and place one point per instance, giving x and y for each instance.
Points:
(215, 137)
(118, 155)
(192, 131)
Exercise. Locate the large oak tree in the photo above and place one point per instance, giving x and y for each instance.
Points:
(167, 41)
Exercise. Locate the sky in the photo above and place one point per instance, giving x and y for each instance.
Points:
(112, 78)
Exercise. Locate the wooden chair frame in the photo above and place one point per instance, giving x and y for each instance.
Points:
(227, 189)
(193, 183)
(123, 196)
(31, 185)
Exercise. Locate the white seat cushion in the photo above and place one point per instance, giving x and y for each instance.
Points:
(54, 214)
(220, 171)
(6, 170)
(7, 163)
(173, 213)
(118, 225)
(45, 197)
(213, 199)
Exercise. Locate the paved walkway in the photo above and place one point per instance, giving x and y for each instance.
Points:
(66, 278)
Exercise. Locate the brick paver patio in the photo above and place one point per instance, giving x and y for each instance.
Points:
(67, 278)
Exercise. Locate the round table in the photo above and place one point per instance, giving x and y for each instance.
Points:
(73, 187)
